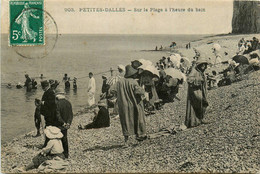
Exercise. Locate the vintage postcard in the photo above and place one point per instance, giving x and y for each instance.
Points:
(120, 86)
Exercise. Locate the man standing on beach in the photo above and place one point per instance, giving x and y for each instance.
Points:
(64, 116)
(91, 90)
(130, 104)
(48, 106)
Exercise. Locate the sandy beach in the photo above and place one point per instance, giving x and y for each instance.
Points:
(229, 143)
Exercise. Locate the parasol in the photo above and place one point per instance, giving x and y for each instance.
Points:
(174, 73)
(240, 59)
(216, 46)
(145, 62)
(150, 68)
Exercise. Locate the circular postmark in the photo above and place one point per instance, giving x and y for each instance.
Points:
(48, 34)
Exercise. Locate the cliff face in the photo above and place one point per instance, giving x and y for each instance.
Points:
(246, 17)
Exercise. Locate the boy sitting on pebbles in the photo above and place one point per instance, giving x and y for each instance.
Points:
(53, 149)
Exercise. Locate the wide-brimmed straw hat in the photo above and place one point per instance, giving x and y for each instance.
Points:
(202, 60)
(104, 76)
(129, 71)
(232, 62)
(102, 103)
(59, 91)
(122, 67)
(53, 132)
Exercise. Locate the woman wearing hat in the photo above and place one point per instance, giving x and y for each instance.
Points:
(197, 94)
(101, 118)
(130, 105)
(53, 149)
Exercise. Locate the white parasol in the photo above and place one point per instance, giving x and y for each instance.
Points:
(174, 73)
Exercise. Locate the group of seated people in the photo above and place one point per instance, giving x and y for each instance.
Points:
(247, 46)
(249, 51)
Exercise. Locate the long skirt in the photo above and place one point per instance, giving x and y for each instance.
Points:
(195, 108)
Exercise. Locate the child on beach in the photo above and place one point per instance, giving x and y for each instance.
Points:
(37, 116)
(53, 149)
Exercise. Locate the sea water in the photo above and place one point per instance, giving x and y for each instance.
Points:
(76, 55)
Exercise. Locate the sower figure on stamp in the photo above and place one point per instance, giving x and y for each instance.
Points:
(197, 94)
(24, 20)
(130, 104)
(48, 106)
(64, 116)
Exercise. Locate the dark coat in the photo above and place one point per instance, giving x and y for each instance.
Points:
(48, 109)
(64, 112)
(102, 119)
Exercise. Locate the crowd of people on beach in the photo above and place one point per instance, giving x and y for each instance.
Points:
(138, 90)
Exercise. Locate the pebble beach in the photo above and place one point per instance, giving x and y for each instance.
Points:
(230, 142)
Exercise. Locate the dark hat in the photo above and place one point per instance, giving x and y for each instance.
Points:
(52, 82)
(38, 101)
(44, 83)
(129, 71)
(135, 64)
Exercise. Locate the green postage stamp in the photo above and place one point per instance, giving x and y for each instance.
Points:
(26, 22)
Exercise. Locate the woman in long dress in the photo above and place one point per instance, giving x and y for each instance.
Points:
(197, 94)
(130, 104)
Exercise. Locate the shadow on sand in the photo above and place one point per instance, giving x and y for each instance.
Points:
(33, 146)
(106, 148)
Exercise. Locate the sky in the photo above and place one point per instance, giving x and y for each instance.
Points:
(215, 17)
